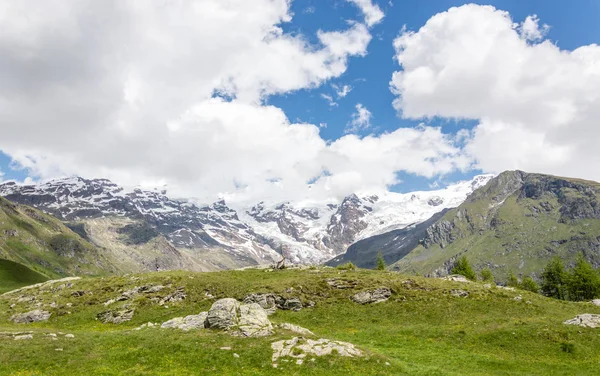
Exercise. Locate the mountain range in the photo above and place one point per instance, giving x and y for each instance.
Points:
(146, 230)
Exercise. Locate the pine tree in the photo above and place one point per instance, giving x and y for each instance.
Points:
(463, 267)
(583, 281)
(554, 279)
(380, 262)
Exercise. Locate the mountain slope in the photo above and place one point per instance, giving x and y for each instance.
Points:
(146, 230)
(393, 245)
(517, 222)
(14, 275)
(42, 243)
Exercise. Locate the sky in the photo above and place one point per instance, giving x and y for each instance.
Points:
(291, 100)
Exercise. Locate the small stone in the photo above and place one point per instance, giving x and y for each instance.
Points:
(23, 337)
(518, 298)
(299, 361)
(235, 355)
(459, 293)
(58, 349)
(296, 329)
(225, 348)
(596, 302)
(487, 286)
(69, 336)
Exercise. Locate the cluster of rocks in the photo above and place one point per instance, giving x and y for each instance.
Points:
(116, 316)
(342, 284)
(372, 296)
(272, 302)
(129, 294)
(300, 348)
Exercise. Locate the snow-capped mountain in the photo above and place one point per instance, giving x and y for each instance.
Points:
(219, 236)
(317, 232)
(185, 225)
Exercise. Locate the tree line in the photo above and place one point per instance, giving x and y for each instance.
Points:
(580, 282)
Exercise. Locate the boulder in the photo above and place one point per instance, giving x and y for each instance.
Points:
(246, 320)
(223, 314)
(31, 316)
(587, 320)
(187, 323)
(372, 296)
(116, 316)
(253, 321)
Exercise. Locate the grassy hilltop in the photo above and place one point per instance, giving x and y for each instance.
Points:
(423, 329)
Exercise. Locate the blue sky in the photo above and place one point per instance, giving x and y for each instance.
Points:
(572, 25)
(124, 139)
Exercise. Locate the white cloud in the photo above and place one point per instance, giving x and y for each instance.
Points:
(125, 90)
(372, 12)
(341, 92)
(537, 105)
(329, 100)
(530, 29)
(361, 120)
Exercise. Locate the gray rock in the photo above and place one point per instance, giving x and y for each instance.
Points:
(293, 304)
(23, 337)
(31, 316)
(300, 348)
(296, 329)
(372, 296)
(587, 320)
(268, 302)
(341, 284)
(253, 321)
(596, 302)
(223, 314)
(187, 323)
(116, 316)
(176, 296)
(459, 293)
(457, 278)
(246, 320)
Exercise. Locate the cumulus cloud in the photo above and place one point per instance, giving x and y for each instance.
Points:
(537, 105)
(372, 12)
(150, 94)
(530, 28)
(361, 119)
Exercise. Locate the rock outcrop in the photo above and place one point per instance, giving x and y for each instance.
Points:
(117, 316)
(299, 348)
(586, 320)
(372, 296)
(186, 323)
(31, 316)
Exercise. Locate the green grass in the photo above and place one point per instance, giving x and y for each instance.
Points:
(421, 330)
(14, 275)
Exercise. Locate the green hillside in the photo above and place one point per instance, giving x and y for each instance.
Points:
(517, 222)
(45, 245)
(14, 275)
(427, 327)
